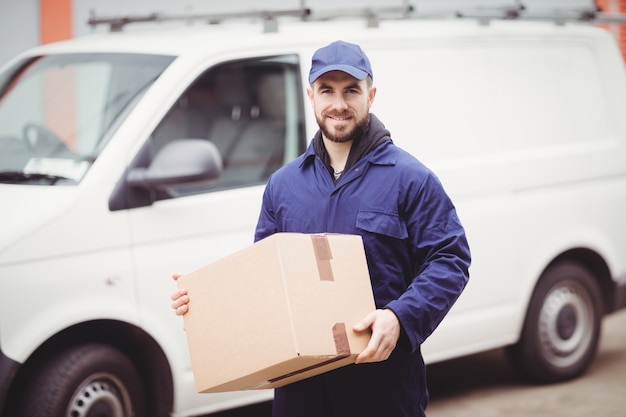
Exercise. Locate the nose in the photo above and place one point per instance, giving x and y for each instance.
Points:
(339, 103)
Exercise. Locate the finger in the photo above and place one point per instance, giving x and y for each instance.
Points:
(364, 324)
(363, 357)
(178, 294)
(367, 356)
(370, 349)
(376, 353)
(180, 304)
(370, 353)
(180, 301)
(182, 310)
(176, 276)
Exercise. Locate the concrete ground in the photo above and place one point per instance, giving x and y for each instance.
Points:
(484, 385)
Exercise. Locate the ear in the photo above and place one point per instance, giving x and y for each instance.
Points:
(309, 92)
(371, 95)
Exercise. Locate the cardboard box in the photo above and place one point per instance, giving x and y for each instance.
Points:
(277, 312)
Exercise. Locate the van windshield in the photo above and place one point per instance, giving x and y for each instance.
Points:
(58, 111)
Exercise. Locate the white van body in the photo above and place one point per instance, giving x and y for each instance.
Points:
(522, 121)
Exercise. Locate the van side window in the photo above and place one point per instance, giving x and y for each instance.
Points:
(242, 108)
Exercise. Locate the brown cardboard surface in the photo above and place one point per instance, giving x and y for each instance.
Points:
(277, 311)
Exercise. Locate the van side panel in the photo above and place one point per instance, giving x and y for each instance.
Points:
(525, 135)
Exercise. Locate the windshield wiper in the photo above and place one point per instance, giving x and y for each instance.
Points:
(19, 177)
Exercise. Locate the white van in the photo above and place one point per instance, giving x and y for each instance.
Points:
(126, 157)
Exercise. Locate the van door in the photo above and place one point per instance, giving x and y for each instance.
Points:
(246, 109)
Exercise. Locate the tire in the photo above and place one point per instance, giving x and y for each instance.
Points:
(86, 381)
(561, 331)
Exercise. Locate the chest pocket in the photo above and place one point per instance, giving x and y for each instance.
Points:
(381, 223)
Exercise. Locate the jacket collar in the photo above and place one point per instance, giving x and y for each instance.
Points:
(381, 155)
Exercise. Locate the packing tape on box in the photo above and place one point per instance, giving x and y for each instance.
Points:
(323, 255)
(342, 345)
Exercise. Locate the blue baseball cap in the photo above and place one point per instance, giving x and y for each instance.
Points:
(340, 56)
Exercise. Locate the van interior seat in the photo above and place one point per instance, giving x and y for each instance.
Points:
(235, 102)
(190, 117)
(257, 141)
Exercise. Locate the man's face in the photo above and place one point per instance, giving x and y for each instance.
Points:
(341, 104)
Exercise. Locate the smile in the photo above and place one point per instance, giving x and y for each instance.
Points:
(339, 118)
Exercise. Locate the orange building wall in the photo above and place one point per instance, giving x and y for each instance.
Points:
(618, 30)
(55, 24)
(55, 20)
(622, 32)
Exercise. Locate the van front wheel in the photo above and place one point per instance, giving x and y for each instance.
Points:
(89, 380)
(562, 327)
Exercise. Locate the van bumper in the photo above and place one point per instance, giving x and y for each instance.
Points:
(8, 370)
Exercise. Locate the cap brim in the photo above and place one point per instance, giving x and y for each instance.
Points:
(353, 71)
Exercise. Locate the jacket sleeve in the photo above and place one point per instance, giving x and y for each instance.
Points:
(266, 224)
(441, 259)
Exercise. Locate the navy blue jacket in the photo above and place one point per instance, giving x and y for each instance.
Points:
(418, 258)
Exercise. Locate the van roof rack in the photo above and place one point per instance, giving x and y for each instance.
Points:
(117, 23)
(269, 17)
(372, 15)
(558, 16)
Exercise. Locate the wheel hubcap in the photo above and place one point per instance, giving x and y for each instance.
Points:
(100, 396)
(566, 324)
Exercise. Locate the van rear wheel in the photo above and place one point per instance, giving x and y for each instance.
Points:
(85, 381)
(562, 327)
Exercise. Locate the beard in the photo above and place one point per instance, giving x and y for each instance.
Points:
(343, 133)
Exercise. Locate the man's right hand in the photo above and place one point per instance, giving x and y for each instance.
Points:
(180, 299)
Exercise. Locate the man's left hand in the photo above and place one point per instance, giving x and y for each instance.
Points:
(385, 329)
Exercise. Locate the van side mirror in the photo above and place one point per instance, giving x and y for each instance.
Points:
(180, 163)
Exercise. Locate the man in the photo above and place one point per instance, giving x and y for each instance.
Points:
(352, 179)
